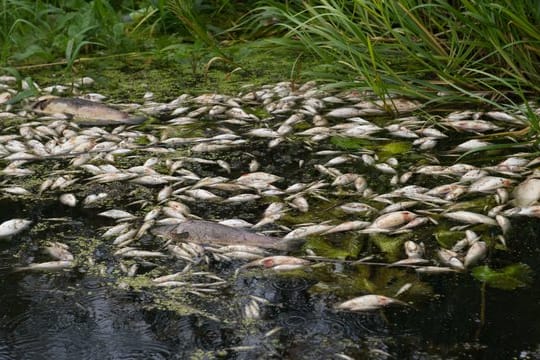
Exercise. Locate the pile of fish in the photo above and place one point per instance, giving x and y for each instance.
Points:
(277, 153)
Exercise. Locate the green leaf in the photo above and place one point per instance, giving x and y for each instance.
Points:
(394, 148)
(507, 278)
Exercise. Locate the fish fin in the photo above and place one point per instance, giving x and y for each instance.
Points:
(41, 104)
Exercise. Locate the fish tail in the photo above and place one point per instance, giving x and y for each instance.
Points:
(290, 244)
(134, 120)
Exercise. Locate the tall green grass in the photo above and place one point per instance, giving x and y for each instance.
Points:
(419, 48)
(50, 31)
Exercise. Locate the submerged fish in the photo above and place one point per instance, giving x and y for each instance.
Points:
(207, 232)
(85, 112)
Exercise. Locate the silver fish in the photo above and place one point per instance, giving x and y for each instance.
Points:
(368, 303)
(476, 252)
(46, 266)
(470, 217)
(13, 227)
(279, 262)
(392, 220)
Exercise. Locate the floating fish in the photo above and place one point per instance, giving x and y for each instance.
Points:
(13, 227)
(279, 262)
(59, 251)
(527, 192)
(207, 232)
(85, 112)
(46, 266)
(369, 303)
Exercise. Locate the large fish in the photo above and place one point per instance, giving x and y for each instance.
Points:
(85, 112)
(207, 232)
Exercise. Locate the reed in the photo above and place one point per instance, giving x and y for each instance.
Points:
(487, 49)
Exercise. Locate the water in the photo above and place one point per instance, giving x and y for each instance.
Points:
(75, 314)
(96, 311)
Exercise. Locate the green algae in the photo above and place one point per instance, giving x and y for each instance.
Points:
(509, 277)
(346, 247)
(349, 143)
(170, 73)
(447, 238)
(391, 246)
(393, 148)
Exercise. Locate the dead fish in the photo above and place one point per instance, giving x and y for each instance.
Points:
(477, 126)
(470, 217)
(345, 112)
(403, 289)
(257, 180)
(368, 303)
(68, 199)
(13, 227)
(117, 230)
(207, 232)
(236, 223)
(85, 112)
(356, 208)
(347, 226)
(487, 184)
(392, 220)
(141, 253)
(450, 258)
(414, 250)
(527, 192)
(272, 213)
(304, 231)
(279, 262)
(470, 145)
(58, 251)
(117, 214)
(46, 266)
(300, 203)
(476, 252)
(434, 270)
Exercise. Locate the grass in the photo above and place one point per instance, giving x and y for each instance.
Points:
(419, 49)
(47, 31)
(482, 51)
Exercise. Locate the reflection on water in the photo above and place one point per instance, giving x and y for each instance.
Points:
(63, 315)
(76, 314)
(45, 322)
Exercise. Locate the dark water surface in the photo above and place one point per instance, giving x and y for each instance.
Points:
(76, 315)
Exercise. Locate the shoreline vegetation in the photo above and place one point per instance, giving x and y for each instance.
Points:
(485, 53)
